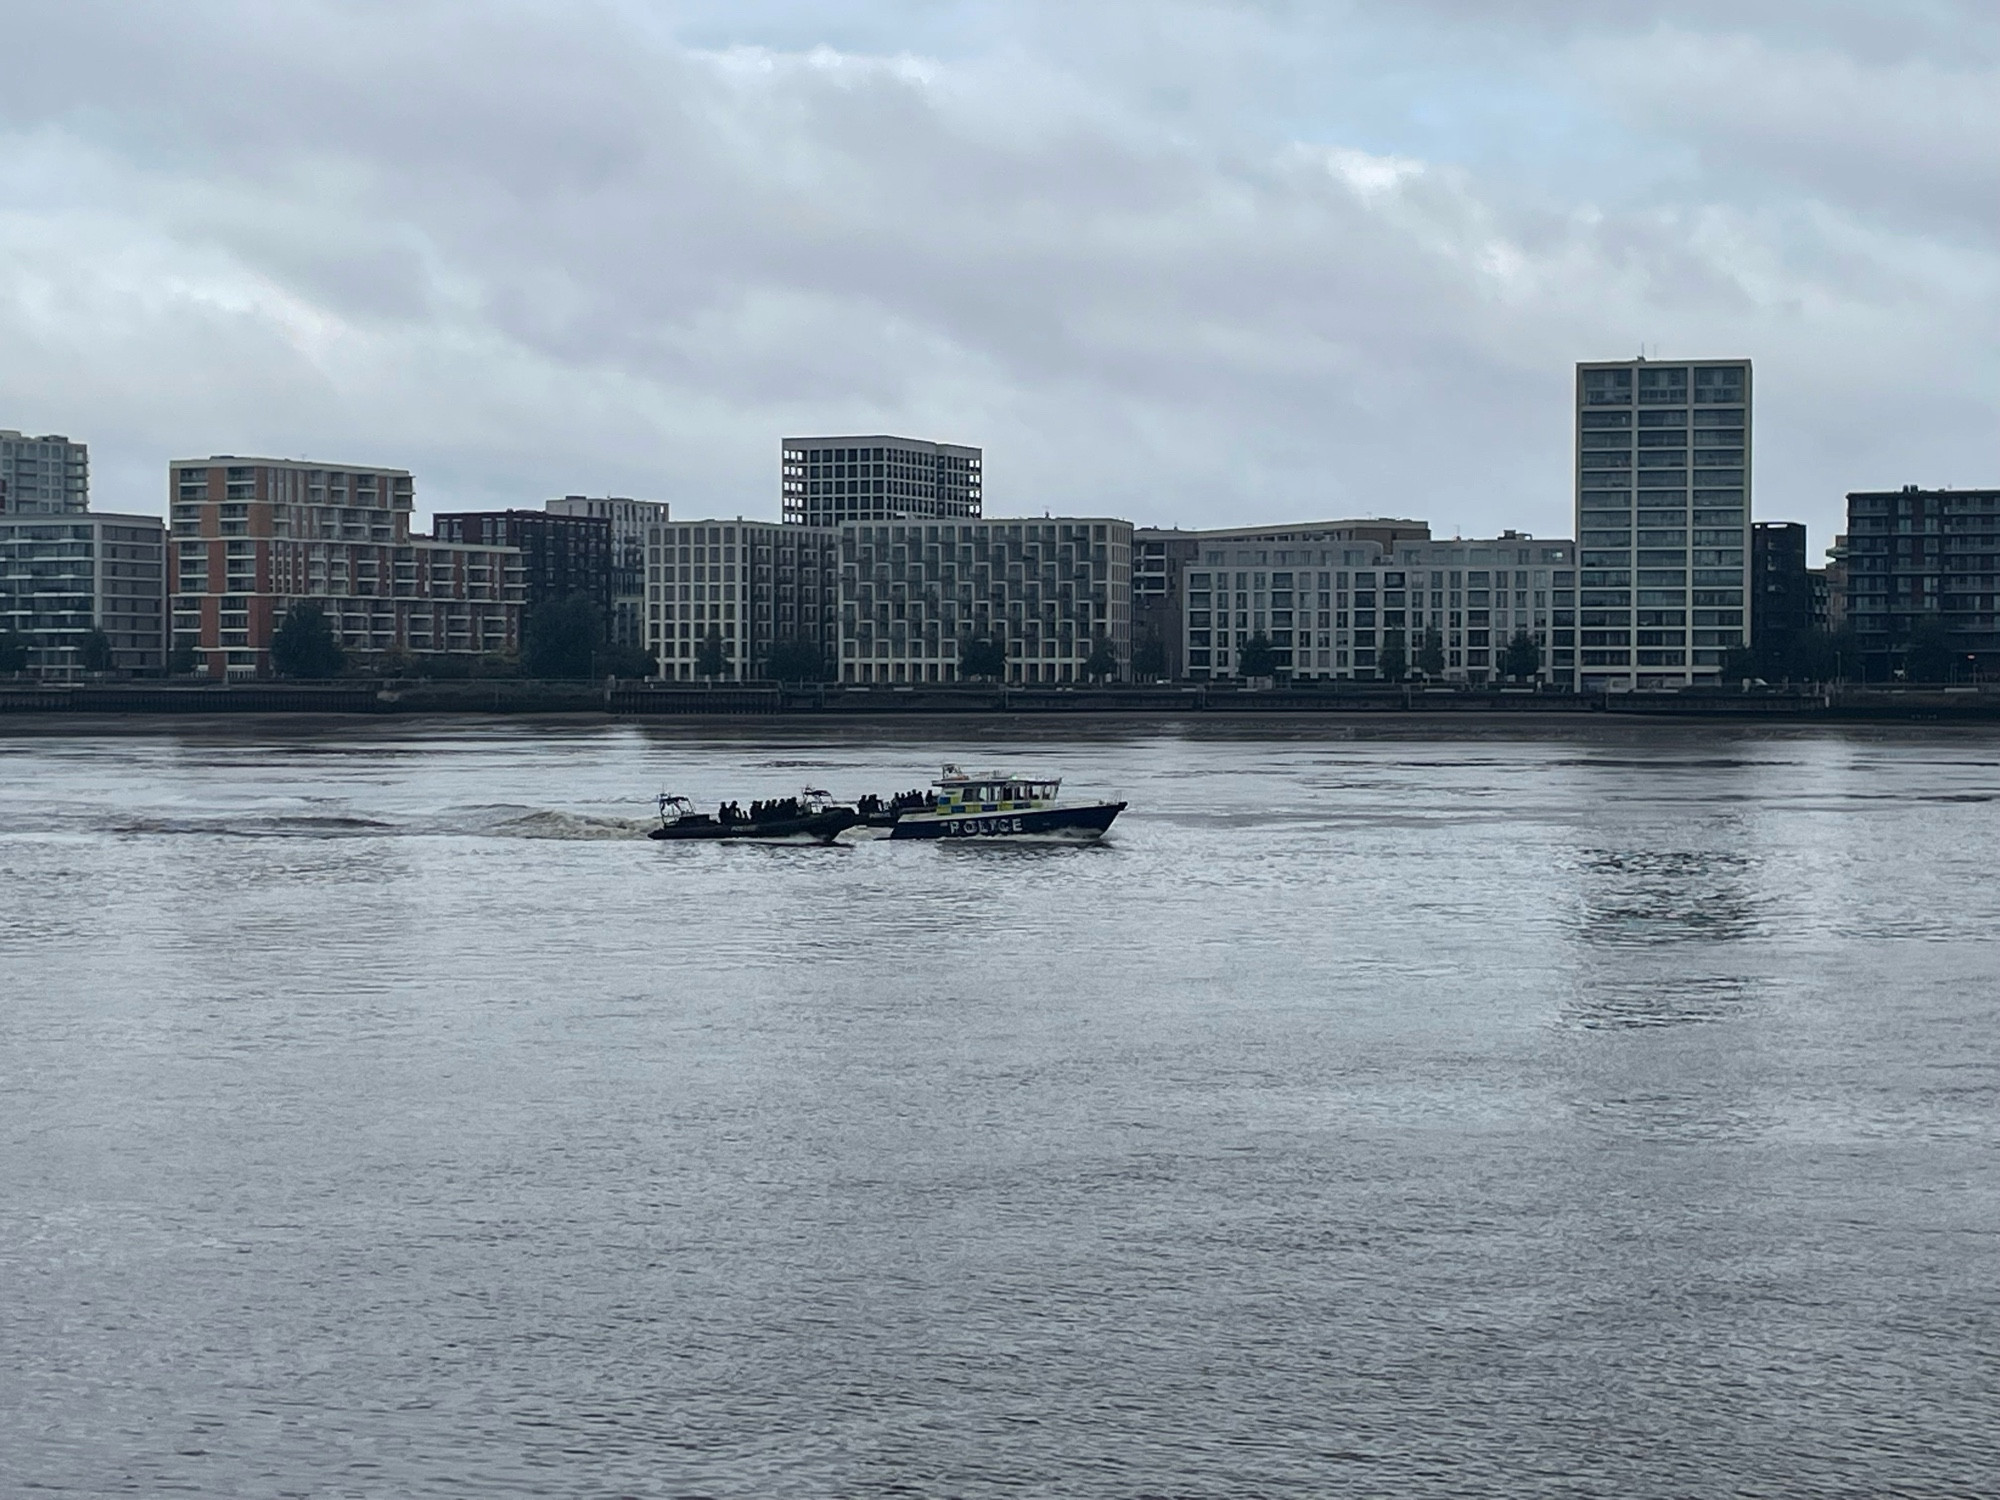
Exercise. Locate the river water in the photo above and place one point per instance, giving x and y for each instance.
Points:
(1596, 1110)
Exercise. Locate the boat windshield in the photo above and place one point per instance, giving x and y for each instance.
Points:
(956, 788)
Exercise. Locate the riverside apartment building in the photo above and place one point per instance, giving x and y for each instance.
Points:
(1347, 611)
(912, 592)
(42, 476)
(892, 602)
(1923, 565)
(1207, 649)
(753, 584)
(63, 575)
(827, 481)
(251, 536)
(1662, 520)
(630, 521)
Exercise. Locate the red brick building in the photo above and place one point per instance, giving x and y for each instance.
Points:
(253, 535)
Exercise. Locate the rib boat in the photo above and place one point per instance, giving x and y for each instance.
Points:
(812, 817)
(878, 817)
(995, 805)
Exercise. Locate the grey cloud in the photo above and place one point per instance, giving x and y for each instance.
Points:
(1910, 137)
(536, 248)
(1954, 32)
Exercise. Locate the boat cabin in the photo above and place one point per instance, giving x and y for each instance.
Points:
(678, 809)
(960, 792)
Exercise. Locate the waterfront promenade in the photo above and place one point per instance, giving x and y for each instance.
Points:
(511, 696)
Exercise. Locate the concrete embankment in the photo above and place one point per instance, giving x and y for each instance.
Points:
(641, 699)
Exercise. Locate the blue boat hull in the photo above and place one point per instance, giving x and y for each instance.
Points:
(1048, 822)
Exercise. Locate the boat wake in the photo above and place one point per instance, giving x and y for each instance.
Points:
(545, 823)
(510, 821)
(266, 826)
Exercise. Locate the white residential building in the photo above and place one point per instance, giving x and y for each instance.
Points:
(62, 576)
(42, 476)
(1662, 520)
(826, 481)
(912, 593)
(891, 602)
(1347, 610)
(752, 584)
(1162, 558)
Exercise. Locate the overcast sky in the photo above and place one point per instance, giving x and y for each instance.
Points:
(1188, 263)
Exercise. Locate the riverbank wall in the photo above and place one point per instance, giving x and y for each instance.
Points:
(664, 700)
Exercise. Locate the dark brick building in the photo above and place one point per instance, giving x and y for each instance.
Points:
(1923, 582)
(560, 555)
(1158, 559)
(1780, 592)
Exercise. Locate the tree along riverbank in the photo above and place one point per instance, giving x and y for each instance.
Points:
(642, 699)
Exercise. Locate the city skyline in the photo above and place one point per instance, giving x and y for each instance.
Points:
(761, 507)
(1671, 438)
(1249, 274)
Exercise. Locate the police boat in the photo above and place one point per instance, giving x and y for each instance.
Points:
(812, 817)
(994, 805)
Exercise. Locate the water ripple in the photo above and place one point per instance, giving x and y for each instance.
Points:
(1599, 1111)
